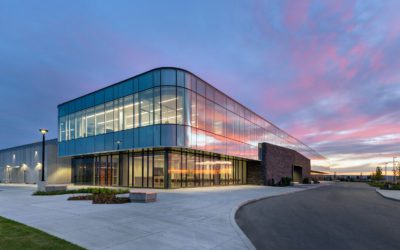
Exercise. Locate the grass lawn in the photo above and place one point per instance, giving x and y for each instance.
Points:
(14, 235)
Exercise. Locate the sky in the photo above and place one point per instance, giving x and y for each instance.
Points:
(327, 72)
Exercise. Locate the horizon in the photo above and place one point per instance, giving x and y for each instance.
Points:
(324, 72)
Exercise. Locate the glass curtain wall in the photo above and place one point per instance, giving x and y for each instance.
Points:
(148, 168)
(215, 122)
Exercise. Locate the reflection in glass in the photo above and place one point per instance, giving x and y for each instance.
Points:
(128, 112)
(168, 105)
(99, 119)
(90, 129)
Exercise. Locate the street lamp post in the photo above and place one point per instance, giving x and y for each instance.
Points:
(386, 177)
(43, 132)
(394, 167)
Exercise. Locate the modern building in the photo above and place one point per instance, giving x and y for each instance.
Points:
(22, 164)
(168, 128)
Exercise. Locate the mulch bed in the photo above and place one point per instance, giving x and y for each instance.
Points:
(81, 198)
(100, 199)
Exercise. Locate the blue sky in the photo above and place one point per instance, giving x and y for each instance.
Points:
(325, 71)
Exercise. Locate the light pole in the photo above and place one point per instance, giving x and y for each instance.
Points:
(43, 132)
(386, 171)
(118, 142)
(394, 166)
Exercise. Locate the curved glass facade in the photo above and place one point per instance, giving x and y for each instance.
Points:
(166, 107)
(164, 128)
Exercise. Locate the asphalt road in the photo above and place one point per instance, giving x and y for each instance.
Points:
(339, 216)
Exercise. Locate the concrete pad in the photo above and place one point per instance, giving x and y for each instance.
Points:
(389, 194)
(198, 218)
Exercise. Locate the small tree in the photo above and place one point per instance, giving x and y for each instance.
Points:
(396, 173)
(377, 176)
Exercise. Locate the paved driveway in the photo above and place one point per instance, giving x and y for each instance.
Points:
(181, 219)
(340, 216)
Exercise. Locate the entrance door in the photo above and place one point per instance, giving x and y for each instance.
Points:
(297, 174)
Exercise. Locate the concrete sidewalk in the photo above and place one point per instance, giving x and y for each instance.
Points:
(185, 218)
(389, 194)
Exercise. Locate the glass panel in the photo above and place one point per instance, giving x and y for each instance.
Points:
(71, 126)
(62, 129)
(150, 170)
(220, 98)
(190, 82)
(201, 87)
(157, 108)
(128, 112)
(168, 77)
(179, 107)
(209, 92)
(219, 120)
(187, 107)
(205, 167)
(90, 129)
(125, 170)
(137, 165)
(145, 169)
(67, 127)
(136, 106)
(230, 123)
(193, 104)
(115, 170)
(99, 119)
(201, 112)
(174, 169)
(116, 116)
(79, 126)
(82, 169)
(190, 170)
(109, 116)
(180, 81)
(129, 158)
(168, 105)
(158, 170)
(146, 108)
(230, 104)
(209, 115)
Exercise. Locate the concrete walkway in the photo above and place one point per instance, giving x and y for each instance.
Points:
(186, 218)
(389, 194)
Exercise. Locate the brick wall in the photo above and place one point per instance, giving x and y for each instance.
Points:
(254, 173)
(278, 162)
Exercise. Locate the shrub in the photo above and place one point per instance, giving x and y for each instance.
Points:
(390, 186)
(376, 184)
(108, 198)
(285, 181)
(306, 181)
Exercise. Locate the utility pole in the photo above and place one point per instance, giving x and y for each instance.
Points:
(386, 171)
(394, 166)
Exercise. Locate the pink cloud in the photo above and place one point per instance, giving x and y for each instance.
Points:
(296, 13)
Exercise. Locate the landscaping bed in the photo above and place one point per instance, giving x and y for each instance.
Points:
(102, 196)
(385, 185)
(84, 191)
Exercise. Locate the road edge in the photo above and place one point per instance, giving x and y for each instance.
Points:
(385, 196)
(246, 241)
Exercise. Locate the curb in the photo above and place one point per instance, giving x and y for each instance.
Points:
(386, 197)
(246, 241)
